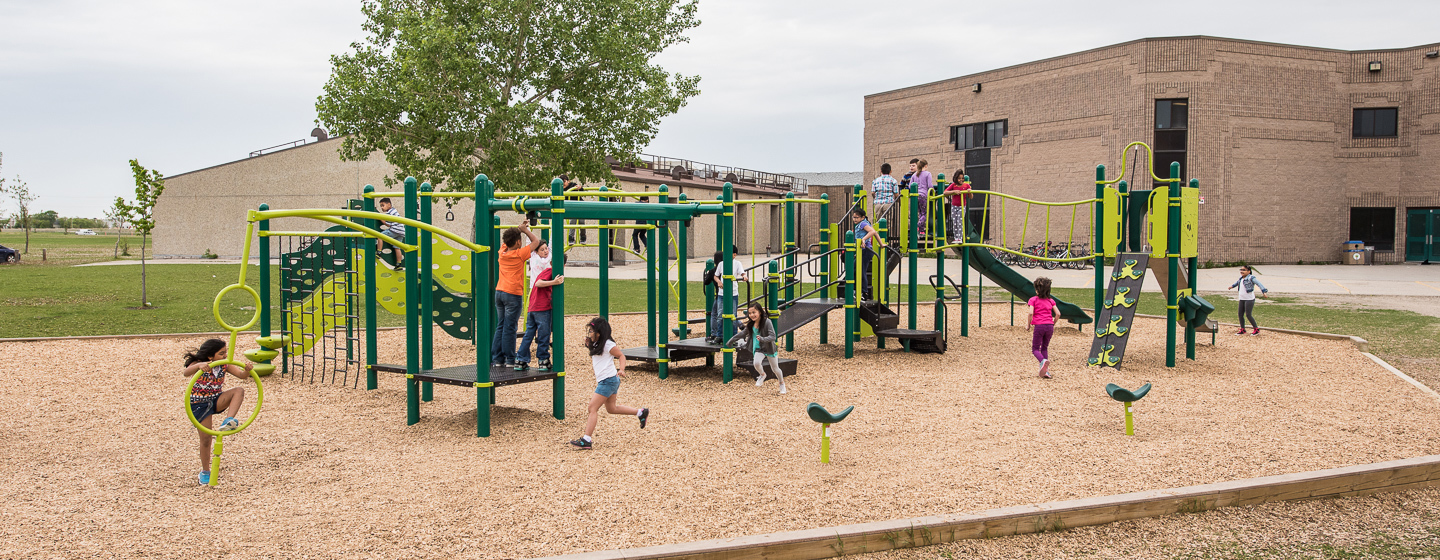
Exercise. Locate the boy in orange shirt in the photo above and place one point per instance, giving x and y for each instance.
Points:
(510, 284)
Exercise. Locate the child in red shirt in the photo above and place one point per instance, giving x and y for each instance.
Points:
(1042, 319)
(958, 202)
(539, 320)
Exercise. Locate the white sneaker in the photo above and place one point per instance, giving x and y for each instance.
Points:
(783, 390)
(760, 381)
(1045, 369)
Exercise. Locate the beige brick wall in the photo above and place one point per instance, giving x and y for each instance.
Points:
(206, 209)
(1269, 135)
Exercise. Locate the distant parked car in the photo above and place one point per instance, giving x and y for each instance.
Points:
(84, 232)
(8, 255)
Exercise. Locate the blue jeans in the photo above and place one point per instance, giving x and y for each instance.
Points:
(716, 321)
(507, 312)
(537, 328)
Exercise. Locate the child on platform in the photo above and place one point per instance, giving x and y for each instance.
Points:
(604, 355)
(510, 284)
(958, 202)
(1042, 321)
(538, 320)
(209, 396)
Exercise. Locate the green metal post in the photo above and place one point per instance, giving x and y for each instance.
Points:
(412, 315)
(727, 305)
(1172, 259)
(661, 241)
(1129, 418)
(852, 326)
(825, 247)
(914, 250)
(557, 299)
(882, 228)
(603, 261)
(965, 292)
(1192, 266)
(980, 301)
(482, 295)
(789, 249)
(682, 276)
(372, 345)
(427, 299)
(940, 282)
(651, 294)
(264, 226)
(772, 303)
(1099, 243)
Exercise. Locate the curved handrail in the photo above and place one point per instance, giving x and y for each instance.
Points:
(1124, 157)
(330, 216)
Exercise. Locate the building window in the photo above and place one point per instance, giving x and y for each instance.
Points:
(1376, 123)
(1172, 136)
(1374, 226)
(979, 135)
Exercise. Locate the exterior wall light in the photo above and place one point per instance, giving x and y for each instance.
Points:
(975, 88)
(1374, 66)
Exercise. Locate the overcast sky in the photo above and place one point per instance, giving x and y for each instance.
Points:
(87, 85)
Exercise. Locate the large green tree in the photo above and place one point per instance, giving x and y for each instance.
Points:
(521, 90)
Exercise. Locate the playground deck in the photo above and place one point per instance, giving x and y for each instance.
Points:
(464, 375)
(967, 430)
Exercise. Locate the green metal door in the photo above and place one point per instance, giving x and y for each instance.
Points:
(1422, 226)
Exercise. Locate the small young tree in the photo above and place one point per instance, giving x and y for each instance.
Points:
(20, 192)
(148, 186)
(117, 214)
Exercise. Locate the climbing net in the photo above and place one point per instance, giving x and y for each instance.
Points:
(319, 302)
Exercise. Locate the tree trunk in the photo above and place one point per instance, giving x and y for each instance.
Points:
(117, 244)
(27, 236)
(144, 298)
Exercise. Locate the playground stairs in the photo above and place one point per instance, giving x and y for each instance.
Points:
(1194, 310)
(1112, 325)
(886, 324)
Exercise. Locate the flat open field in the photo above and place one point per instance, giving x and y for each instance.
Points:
(100, 461)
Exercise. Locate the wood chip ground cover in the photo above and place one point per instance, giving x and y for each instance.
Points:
(100, 461)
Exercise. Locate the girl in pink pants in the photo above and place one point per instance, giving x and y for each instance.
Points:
(1042, 321)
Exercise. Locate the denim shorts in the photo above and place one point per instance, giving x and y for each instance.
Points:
(608, 386)
(396, 236)
(204, 409)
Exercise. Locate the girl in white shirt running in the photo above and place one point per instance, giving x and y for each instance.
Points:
(603, 355)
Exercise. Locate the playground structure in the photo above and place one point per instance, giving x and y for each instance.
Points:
(450, 281)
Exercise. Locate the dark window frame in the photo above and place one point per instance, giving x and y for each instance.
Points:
(1167, 112)
(1369, 117)
(1374, 236)
(988, 134)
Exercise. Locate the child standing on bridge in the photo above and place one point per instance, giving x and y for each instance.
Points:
(209, 396)
(1042, 320)
(604, 355)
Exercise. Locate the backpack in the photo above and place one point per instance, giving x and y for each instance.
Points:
(709, 277)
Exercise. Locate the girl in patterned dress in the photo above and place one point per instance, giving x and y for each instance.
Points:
(209, 395)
